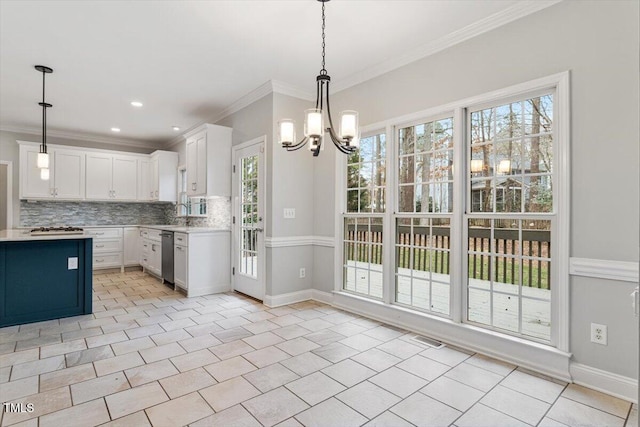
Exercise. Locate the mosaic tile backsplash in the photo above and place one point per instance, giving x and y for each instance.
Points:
(46, 213)
(49, 214)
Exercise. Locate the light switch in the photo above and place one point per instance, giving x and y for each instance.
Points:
(289, 213)
(72, 263)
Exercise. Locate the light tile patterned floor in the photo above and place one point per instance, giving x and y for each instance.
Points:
(149, 356)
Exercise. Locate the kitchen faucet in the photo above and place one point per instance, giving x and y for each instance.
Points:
(187, 208)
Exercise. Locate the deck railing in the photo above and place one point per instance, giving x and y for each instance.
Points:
(366, 246)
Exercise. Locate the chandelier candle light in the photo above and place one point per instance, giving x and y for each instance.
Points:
(314, 127)
(42, 161)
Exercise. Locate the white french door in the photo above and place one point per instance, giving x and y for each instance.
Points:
(248, 218)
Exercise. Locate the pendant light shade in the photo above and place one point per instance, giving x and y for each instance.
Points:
(286, 132)
(313, 123)
(44, 174)
(42, 161)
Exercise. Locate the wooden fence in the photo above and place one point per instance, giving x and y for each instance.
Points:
(366, 246)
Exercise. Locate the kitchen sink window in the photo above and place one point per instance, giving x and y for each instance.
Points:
(189, 206)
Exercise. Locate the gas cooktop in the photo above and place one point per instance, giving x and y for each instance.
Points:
(42, 231)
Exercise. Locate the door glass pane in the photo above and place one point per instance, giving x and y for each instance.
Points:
(249, 221)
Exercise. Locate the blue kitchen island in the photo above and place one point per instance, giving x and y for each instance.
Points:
(44, 277)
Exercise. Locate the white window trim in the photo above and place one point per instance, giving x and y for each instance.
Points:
(550, 360)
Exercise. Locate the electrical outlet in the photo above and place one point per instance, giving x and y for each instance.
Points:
(599, 334)
(289, 213)
(303, 273)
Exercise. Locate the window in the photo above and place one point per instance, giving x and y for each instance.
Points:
(363, 221)
(509, 227)
(470, 221)
(423, 222)
(189, 206)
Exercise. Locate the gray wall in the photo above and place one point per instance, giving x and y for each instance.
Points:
(598, 42)
(9, 150)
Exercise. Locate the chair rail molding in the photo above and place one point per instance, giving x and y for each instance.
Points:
(604, 269)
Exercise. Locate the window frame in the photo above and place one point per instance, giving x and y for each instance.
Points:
(560, 246)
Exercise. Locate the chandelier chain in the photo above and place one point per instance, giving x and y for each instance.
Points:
(323, 71)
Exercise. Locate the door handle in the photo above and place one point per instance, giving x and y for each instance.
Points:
(259, 230)
(635, 302)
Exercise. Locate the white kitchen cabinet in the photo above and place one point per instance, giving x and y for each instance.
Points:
(208, 152)
(131, 247)
(125, 178)
(145, 175)
(202, 262)
(180, 265)
(107, 247)
(111, 177)
(164, 176)
(66, 174)
(151, 251)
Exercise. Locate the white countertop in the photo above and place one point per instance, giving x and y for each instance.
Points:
(24, 232)
(16, 235)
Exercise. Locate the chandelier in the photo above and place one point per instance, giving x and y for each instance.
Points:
(42, 161)
(314, 127)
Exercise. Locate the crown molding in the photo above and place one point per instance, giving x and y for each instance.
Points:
(291, 90)
(517, 11)
(80, 136)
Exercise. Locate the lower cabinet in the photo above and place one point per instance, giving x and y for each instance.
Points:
(107, 247)
(180, 265)
(131, 252)
(202, 262)
(151, 251)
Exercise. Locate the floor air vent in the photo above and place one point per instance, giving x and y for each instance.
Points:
(427, 341)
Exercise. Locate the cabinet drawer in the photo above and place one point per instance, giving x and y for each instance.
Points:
(180, 239)
(100, 245)
(144, 233)
(154, 235)
(107, 261)
(104, 233)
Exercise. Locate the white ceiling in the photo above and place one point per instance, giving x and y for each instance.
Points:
(188, 61)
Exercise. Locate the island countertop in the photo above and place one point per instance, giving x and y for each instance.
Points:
(15, 235)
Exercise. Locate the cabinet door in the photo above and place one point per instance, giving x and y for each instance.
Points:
(69, 174)
(155, 179)
(201, 182)
(144, 180)
(192, 166)
(99, 176)
(155, 258)
(125, 178)
(31, 185)
(131, 247)
(180, 266)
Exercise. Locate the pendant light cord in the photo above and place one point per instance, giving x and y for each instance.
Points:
(323, 71)
(44, 117)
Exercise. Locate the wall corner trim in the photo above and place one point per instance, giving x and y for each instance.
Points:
(616, 385)
(604, 269)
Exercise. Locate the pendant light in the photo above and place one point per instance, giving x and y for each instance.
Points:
(314, 125)
(43, 157)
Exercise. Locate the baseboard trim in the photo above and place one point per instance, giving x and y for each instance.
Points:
(604, 269)
(321, 296)
(289, 298)
(216, 289)
(613, 384)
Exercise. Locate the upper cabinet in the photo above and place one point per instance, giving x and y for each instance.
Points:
(158, 177)
(111, 177)
(66, 174)
(91, 174)
(209, 161)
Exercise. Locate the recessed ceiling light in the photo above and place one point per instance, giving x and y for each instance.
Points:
(176, 128)
(136, 104)
(115, 129)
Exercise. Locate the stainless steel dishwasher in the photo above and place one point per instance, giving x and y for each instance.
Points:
(167, 256)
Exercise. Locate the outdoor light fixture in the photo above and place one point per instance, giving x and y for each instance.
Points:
(42, 161)
(314, 126)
